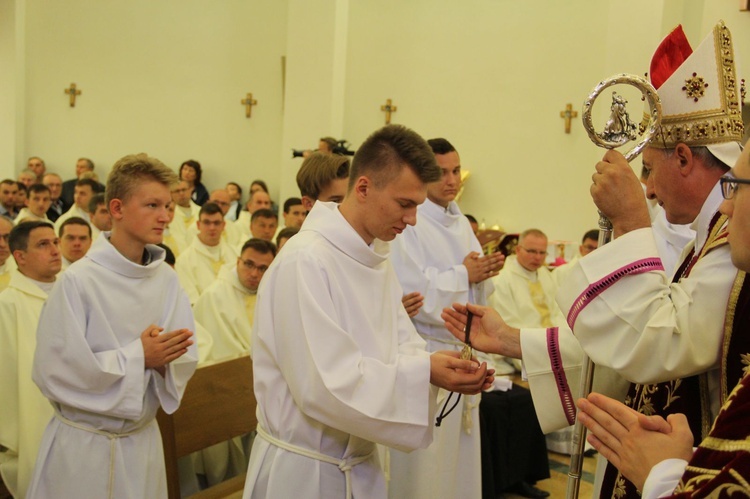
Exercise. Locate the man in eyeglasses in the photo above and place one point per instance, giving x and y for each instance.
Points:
(225, 310)
(227, 306)
(654, 453)
(231, 235)
(525, 290)
(672, 336)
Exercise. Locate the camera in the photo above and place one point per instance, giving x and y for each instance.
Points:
(341, 148)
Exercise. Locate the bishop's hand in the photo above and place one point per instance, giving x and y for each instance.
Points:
(489, 332)
(618, 194)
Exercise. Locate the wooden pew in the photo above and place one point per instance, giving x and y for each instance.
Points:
(218, 404)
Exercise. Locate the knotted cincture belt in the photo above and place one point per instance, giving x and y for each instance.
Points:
(113, 437)
(345, 465)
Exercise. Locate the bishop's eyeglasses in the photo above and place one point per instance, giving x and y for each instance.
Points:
(729, 185)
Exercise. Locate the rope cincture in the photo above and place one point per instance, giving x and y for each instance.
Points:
(113, 437)
(345, 465)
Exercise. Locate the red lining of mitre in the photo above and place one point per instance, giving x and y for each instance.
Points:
(669, 55)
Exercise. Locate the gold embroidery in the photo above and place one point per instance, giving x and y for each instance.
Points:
(620, 489)
(728, 327)
(671, 389)
(695, 87)
(643, 403)
(713, 126)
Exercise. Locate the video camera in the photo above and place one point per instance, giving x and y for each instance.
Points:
(341, 148)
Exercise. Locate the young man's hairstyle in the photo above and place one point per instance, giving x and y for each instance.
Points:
(318, 170)
(35, 188)
(263, 213)
(129, 172)
(73, 221)
(237, 186)
(95, 201)
(196, 166)
(593, 234)
(286, 233)
(22, 187)
(90, 182)
(19, 235)
(210, 209)
(88, 162)
(441, 146)
(8, 181)
(260, 245)
(291, 202)
(389, 149)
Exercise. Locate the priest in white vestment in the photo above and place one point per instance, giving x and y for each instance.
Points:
(227, 307)
(525, 297)
(185, 214)
(259, 200)
(7, 264)
(338, 366)
(100, 219)
(24, 411)
(198, 266)
(37, 204)
(440, 258)
(231, 235)
(84, 191)
(113, 345)
(225, 310)
(75, 240)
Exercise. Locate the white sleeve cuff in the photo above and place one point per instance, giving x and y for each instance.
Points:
(663, 478)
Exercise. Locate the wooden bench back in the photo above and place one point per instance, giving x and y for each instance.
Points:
(218, 404)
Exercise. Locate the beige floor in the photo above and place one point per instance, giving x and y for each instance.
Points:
(557, 484)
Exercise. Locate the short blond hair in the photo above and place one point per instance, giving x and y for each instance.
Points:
(130, 171)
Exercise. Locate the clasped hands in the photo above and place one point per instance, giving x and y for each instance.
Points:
(161, 349)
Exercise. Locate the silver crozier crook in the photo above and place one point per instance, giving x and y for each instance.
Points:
(618, 131)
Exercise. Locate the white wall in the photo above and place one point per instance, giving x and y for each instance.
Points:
(490, 75)
(11, 87)
(493, 75)
(162, 77)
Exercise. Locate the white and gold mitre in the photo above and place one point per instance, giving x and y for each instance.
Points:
(700, 93)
